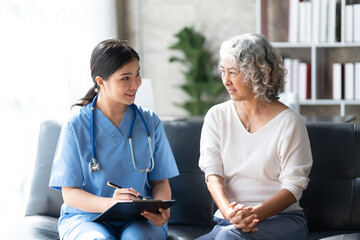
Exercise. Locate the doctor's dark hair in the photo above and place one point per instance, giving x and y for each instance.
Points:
(107, 57)
(259, 62)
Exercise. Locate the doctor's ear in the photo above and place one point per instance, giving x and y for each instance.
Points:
(99, 80)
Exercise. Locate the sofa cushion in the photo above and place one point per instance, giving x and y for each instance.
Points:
(186, 232)
(40, 228)
(334, 235)
(32, 228)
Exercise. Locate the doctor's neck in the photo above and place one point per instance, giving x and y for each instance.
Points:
(113, 110)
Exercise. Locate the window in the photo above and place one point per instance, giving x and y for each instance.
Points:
(45, 49)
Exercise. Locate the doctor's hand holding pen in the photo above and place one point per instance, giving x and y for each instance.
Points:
(127, 194)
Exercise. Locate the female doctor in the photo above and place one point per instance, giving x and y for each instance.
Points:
(94, 148)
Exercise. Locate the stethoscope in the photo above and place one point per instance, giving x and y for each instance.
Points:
(94, 165)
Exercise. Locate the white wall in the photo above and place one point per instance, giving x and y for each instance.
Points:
(161, 19)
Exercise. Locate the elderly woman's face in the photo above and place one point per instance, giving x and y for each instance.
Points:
(232, 79)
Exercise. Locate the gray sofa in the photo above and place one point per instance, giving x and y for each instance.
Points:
(331, 202)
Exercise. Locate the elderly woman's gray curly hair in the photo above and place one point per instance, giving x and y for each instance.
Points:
(259, 63)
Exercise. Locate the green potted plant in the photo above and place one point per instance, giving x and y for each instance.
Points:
(202, 83)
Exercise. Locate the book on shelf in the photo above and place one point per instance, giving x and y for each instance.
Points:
(295, 75)
(309, 22)
(323, 20)
(349, 81)
(331, 21)
(293, 30)
(288, 78)
(337, 80)
(302, 22)
(349, 23)
(357, 80)
(305, 22)
(315, 20)
(338, 21)
(333, 26)
(304, 81)
(356, 17)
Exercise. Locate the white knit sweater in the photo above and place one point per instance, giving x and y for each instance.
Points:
(255, 166)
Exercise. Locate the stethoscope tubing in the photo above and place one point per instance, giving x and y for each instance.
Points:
(95, 166)
(92, 127)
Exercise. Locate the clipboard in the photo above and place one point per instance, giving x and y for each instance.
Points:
(131, 210)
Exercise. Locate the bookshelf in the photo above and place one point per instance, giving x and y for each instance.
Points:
(320, 54)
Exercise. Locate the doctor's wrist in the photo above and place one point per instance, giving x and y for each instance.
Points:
(109, 202)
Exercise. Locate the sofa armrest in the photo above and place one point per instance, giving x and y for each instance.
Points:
(44, 200)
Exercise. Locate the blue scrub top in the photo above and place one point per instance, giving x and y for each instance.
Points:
(73, 154)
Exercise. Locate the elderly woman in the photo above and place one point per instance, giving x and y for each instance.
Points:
(254, 150)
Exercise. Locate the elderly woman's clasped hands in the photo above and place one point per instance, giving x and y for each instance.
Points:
(242, 217)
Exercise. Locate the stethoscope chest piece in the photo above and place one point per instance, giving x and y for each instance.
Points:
(94, 166)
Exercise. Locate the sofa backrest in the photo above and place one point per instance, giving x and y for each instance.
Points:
(194, 205)
(332, 199)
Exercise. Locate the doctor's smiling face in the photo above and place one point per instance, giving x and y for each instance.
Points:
(121, 86)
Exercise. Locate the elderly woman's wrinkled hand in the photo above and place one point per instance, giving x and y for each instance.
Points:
(232, 210)
(242, 217)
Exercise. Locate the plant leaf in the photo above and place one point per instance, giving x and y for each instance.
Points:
(202, 85)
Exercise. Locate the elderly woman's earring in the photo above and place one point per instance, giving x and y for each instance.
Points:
(96, 89)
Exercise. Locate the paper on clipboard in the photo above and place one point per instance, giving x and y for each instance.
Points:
(131, 210)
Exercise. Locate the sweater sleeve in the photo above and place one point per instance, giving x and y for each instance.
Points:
(210, 157)
(296, 158)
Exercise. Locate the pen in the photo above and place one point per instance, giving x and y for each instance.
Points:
(117, 186)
